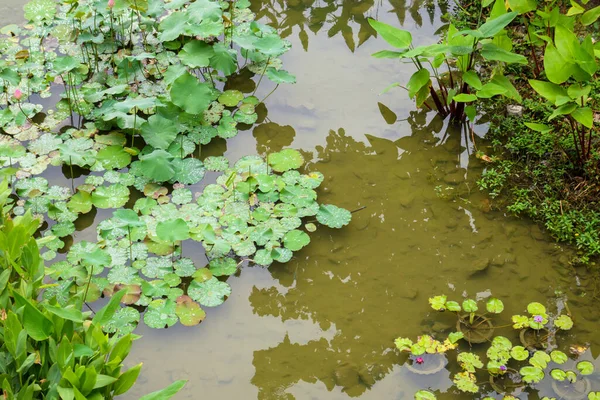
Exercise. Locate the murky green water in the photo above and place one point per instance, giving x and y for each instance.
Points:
(322, 325)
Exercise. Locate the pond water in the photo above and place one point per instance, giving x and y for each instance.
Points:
(323, 325)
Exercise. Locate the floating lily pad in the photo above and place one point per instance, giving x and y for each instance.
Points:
(188, 171)
(160, 314)
(184, 267)
(173, 230)
(113, 157)
(210, 293)
(285, 160)
(296, 240)
(188, 311)
(332, 216)
(123, 321)
(40, 10)
(113, 196)
(231, 98)
(213, 163)
(223, 266)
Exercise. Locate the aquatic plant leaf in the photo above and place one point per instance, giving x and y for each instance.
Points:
(181, 196)
(519, 353)
(397, 38)
(165, 393)
(281, 254)
(157, 267)
(535, 308)
(438, 303)
(184, 267)
(466, 382)
(123, 321)
(144, 205)
(193, 96)
(188, 171)
(113, 157)
(280, 76)
(470, 305)
(196, 54)
(585, 367)
(263, 257)
(520, 321)
(159, 132)
(563, 322)
(113, 196)
(173, 230)
(188, 311)
(558, 357)
(494, 306)
(455, 336)
(210, 293)
(214, 163)
(296, 240)
(333, 216)
(231, 98)
(285, 160)
(223, 266)
(63, 229)
(38, 11)
(157, 166)
(160, 314)
(558, 374)
(539, 359)
(453, 306)
(424, 395)
(469, 361)
(531, 374)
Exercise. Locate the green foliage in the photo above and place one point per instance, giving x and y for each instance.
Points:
(447, 77)
(50, 349)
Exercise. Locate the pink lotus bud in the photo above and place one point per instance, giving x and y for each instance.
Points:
(111, 4)
(18, 94)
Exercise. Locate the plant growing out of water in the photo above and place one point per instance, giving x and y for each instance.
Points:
(448, 72)
(476, 327)
(572, 383)
(535, 330)
(427, 355)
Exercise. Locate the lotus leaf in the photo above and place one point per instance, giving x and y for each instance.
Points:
(184, 267)
(113, 157)
(558, 374)
(113, 196)
(231, 98)
(494, 306)
(295, 240)
(558, 357)
(159, 132)
(123, 321)
(531, 374)
(173, 230)
(157, 166)
(535, 308)
(285, 160)
(157, 267)
(181, 196)
(196, 54)
(585, 367)
(212, 163)
(563, 322)
(188, 311)
(188, 171)
(469, 361)
(466, 382)
(263, 257)
(190, 94)
(223, 266)
(519, 353)
(38, 11)
(539, 359)
(209, 293)
(333, 217)
(160, 314)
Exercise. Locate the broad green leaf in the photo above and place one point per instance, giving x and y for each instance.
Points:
(470, 306)
(397, 38)
(558, 357)
(333, 216)
(464, 98)
(565, 109)
(113, 157)
(424, 395)
(157, 166)
(453, 306)
(173, 230)
(550, 91)
(210, 293)
(494, 305)
(224, 59)
(38, 326)
(531, 374)
(296, 239)
(538, 127)
(519, 353)
(188, 311)
(585, 367)
(190, 94)
(558, 374)
(38, 11)
(417, 81)
(196, 54)
(471, 78)
(491, 52)
(160, 314)
(584, 115)
(113, 196)
(285, 160)
(231, 98)
(280, 76)
(159, 132)
(557, 69)
(438, 303)
(493, 26)
(127, 379)
(590, 16)
(107, 312)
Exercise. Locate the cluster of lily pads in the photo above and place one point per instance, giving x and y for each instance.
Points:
(508, 369)
(142, 90)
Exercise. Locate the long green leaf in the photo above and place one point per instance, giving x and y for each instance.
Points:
(165, 393)
(418, 80)
(495, 25)
(548, 90)
(127, 379)
(491, 52)
(38, 326)
(590, 16)
(584, 116)
(106, 313)
(397, 38)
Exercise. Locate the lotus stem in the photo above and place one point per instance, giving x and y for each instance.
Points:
(261, 75)
(270, 93)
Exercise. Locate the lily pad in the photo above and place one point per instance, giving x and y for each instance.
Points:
(285, 160)
(160, 314)
(333, 216)
(113, 196)
(188, 311)
(113, 157)
(231, 98)
(531, 374)
(210, 293)
(563, 322)
(123, 321)
(173, 230)
(296, 240)
(223, 266)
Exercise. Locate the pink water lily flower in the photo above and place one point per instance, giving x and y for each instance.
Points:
(420, 360)
(538, 318)
(18, 94)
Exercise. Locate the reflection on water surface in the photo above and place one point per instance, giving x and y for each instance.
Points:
(322, 326)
